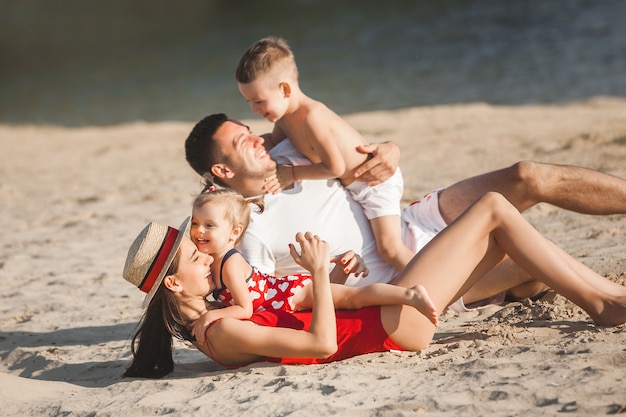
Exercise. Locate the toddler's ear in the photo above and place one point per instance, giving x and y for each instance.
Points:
(237, 231)
(286, 89)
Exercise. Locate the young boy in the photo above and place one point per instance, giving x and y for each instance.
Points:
(267, 77)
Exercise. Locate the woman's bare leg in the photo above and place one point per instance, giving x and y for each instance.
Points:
(476, 242)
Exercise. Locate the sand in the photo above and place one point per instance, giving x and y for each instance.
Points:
(73, 199)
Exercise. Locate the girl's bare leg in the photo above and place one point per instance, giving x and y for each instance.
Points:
(352, 298)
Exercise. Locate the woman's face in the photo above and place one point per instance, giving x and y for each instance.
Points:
(194, 270)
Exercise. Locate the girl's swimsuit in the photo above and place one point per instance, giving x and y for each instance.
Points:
(358, 332)
(267, 292)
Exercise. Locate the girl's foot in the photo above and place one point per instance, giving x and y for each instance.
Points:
(421, 302)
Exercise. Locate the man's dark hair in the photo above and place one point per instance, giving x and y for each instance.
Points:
(200, 149)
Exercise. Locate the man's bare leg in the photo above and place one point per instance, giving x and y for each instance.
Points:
(527, 183)
(505, 277)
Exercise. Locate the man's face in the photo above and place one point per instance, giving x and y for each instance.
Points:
(244, 151)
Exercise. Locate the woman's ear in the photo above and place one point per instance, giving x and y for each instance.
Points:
(172, 284)
(222, 171)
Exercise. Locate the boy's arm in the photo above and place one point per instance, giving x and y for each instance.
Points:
(318, 135)
(322, 137)
(274, 138)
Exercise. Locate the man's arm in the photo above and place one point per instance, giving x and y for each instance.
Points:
(384, 160)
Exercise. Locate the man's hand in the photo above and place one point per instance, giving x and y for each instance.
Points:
(381, 166)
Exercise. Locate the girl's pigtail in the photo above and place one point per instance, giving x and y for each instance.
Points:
(257, 201)
(209, 184)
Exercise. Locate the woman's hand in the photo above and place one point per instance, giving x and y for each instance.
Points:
(346, 264)
(313, 255)
(381, 166)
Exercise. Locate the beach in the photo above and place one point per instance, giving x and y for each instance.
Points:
(74, 198)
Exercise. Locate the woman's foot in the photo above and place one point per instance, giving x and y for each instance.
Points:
(422, 303)
(613, 312)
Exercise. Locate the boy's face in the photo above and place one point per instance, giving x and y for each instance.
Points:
(267, 96)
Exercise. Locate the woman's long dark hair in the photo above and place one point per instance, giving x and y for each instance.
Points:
(152, 343)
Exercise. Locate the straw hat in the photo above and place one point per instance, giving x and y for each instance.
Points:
(150, 256)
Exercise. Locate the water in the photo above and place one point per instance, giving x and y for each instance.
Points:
(88, 62)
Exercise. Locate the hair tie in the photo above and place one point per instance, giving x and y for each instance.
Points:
(211, 188)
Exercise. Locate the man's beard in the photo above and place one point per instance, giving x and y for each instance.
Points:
(259, 174)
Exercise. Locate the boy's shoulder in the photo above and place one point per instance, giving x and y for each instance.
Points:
(312, 112)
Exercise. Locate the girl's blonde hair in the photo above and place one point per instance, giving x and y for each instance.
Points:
(237, 207)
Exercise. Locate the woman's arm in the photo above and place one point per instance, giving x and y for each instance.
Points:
(235, 342)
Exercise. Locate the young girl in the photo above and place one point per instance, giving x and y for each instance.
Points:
(267, 76)
(176, 276)
(219, 219)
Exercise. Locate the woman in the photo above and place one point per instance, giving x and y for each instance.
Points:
(176, 277)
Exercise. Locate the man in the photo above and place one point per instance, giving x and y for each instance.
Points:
(235, 157)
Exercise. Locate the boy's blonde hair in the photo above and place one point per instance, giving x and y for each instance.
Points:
(264, 56)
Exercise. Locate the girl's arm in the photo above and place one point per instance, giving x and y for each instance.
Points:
(234, 273)
(235, 342)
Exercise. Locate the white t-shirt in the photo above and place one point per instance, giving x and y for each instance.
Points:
(325, 208)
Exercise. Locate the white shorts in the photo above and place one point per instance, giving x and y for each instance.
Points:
(422, 221)
(380, 200)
